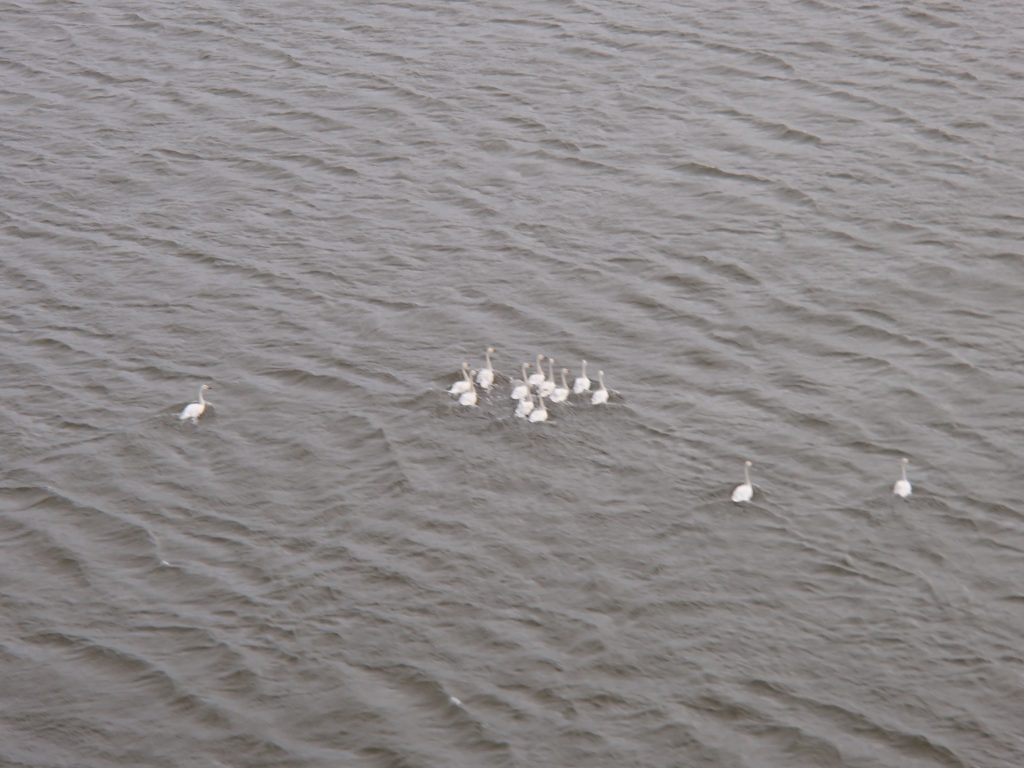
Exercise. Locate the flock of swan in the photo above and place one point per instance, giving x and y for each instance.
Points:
(532, 389)
(547, 387)
(530, 392)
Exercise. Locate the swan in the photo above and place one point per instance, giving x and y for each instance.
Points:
(600, 394)
(582, 383)
(462, 385)
(902, 488)
(485, 378)
(469, 397)
(536, 379)
(540, 413)
(548, 385)
(561, 394)
(195, 410)
(744, 492)
(524, 406)
(522, 388)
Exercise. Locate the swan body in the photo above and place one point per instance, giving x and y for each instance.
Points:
(600, 394)
(536, 379)
(582, 383)
(548, 385)
(744, 492)
(539, 413)
(561, 394)
(485, 378)
(522, 388)
(902, 488)
(194, 410)
(468, 397)
(524, 407)
(463, 384)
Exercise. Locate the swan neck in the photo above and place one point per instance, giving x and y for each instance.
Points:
(746, 473)
(202, 400)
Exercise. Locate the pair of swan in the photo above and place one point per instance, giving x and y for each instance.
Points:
(582, 384)
(464, 387)
(193, 411)
(745, 491)
(484, 377)
(526, 409)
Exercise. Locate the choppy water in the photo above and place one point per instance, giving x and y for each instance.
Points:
(788, 232)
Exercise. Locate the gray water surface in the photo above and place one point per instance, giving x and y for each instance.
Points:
(787, 232)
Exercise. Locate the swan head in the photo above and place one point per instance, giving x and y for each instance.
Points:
(205, 387)
(748, 463)
(565, 370)
(904, 461)
(490, 350)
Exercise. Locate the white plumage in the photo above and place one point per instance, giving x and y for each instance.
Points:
(744, 492)
(600, 394)
(463, 384)
(524, 406)
(536, 379)
(902, 488)
(539, 413)
(522, 388)
(561, 393)
(485, 378)
(194, 410)
(582, 383)
(548, 385)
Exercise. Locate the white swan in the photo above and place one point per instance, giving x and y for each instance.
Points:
(524, 406)
(522, 388)
(468, 398)
(744, 492)
(548, 385)
(195, 410)
(600, 394)
(902, 488)
(462, 385)
(582, 383)
(485, 378)
(561, 394)
(536, 379)
(539, 413)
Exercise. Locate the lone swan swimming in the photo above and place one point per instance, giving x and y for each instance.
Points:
(745, 491)
(902, 488)
(194, 410)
